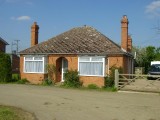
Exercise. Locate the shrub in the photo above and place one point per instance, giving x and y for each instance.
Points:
(92, 86)
(72, 79)
(23, 81)
(5, 68)
(15, 77)
(51, 68)
(47, 82)
(109, 80)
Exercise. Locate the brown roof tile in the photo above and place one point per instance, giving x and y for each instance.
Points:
(80, 40)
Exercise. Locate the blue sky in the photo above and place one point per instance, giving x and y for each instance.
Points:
(57, 16)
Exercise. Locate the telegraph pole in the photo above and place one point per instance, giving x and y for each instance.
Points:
(16, 44)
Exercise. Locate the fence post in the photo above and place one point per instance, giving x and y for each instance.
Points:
(116, 78)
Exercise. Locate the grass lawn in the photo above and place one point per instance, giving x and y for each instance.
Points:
(7, 113)
(12, 113)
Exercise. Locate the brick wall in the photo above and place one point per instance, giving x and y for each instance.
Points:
(15, 63)
(33, 78)
(2, 47)
(86, 80)
(119, 61)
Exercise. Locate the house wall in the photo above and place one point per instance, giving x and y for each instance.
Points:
(121, 61)
(86, 80)
(72, 60)
(15, 63)
(2, 47)
(31, 77)
(57, 61)
(118, 61)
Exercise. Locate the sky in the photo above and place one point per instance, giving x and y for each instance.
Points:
(57, 16)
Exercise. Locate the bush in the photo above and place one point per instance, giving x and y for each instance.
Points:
(23, 81)
(47, 82)
(15, 77)
(5, 68)
(92, 86)
(51, 68)
(72, 79)
(109, 80)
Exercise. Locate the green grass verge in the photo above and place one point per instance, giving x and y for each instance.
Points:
(7, 113)
(107, 89)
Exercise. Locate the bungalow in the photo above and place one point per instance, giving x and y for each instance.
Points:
(3, 44)
(81, 48)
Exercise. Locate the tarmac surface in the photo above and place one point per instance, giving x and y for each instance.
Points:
(52, 103)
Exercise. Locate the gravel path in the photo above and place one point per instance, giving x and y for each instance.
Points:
(51, 103)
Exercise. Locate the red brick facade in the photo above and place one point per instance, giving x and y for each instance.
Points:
(15, 60)
(118, 61)
(2, 47)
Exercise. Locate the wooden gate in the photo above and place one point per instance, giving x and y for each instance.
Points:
(121, 80)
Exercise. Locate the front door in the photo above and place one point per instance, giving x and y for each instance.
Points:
(64, 68)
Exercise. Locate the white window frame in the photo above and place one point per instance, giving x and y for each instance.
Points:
(43, 60)
(90, 57)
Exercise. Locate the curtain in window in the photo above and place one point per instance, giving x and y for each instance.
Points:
(91, 68)
(34, 66)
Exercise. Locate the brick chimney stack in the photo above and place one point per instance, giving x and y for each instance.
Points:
(124, 33)
(129, 43)
(34, 34)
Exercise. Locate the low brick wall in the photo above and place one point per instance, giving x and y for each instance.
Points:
(99, 81)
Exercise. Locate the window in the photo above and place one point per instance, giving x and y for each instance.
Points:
(34, 64)
(91, 66)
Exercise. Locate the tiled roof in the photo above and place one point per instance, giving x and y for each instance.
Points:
(2, 40)
(80, 40)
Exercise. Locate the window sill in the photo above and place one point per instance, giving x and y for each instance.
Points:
(92, 75)
(35, 72)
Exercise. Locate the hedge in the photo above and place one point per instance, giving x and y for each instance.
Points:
(5, 68)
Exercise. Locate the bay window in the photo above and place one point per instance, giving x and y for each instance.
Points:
(91, 66)
(35, 64)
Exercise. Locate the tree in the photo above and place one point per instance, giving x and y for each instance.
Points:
(5, 68)
(145, 55)
(150, 56)
(157, 56)
(139, 56)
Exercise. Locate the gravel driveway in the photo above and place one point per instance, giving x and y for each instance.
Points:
(51, 103)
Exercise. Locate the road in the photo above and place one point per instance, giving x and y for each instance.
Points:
(52, 103)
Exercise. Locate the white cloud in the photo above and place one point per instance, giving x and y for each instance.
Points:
(21, 18)
(153, 8)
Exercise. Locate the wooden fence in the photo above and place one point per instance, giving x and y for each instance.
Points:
(121, 80)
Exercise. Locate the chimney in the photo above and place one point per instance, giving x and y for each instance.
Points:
(129, 43)
(124, 33)
(34, 34)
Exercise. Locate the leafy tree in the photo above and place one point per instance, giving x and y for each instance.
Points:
(139, 56)
(150, 56)
(5, 68)
(145, 55)
(157, 56)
